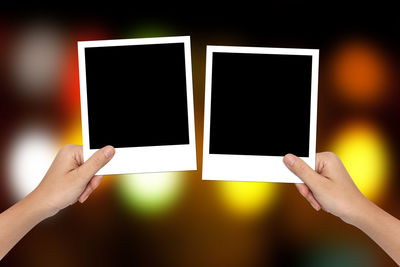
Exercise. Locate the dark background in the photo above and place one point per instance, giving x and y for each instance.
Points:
(176, 219)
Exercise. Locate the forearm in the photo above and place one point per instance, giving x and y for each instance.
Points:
(19, 219)
(381, 227)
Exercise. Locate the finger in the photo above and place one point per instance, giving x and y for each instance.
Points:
(66, 157)
(327, 164)
(78, 156)
(303, 189)
(308, 195)
(314, 203)
(88, 190)
(302, 170)
(92, 185)
(320, 162)
(88, 169)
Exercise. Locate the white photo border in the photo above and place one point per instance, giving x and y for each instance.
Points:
(248, 167)
(151, 158)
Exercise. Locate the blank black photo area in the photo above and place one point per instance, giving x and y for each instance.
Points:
(136, 95)
(260, 104)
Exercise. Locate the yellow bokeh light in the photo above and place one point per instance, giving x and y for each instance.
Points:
(247, 199)
(73, 133)
(364, 153)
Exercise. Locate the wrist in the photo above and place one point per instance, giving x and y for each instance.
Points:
(42, 208)
(361, 210)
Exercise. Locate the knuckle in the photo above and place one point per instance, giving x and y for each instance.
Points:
(68, 149)
(331, 156)
(65, 149)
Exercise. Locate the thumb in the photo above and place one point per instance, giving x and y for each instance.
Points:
(302, 170)
(88, 169)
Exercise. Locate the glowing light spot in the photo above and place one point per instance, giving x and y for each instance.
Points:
(148, 30)
(73, 133)
(31, 154)
(364, 153)
(359, 72)
(70, 87)
(36, 61)
(149, 194)
(247, 199)
(70, 94)
(345, 254)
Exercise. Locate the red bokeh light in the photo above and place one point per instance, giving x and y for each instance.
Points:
(70, 94)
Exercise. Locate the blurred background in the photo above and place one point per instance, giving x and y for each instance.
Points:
(176, 219)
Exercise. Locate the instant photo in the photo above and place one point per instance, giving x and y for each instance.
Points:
(137, 96)
(260, 105)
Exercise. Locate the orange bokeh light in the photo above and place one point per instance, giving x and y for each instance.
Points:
(72, 132)
(359, 72)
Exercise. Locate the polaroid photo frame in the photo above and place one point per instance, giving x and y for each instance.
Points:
(260, 104)
(137, 95)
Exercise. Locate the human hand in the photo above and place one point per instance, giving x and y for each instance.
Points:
(329, 187)
(69, 179)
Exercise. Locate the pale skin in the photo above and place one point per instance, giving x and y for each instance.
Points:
(70, 179)
(331, 188)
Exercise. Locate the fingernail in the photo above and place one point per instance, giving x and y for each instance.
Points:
(290, 159)
(314, 206)
(84, 199)
(108, 151)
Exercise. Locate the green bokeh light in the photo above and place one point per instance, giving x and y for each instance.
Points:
(340, 253)
(150, 194)
(150, 29)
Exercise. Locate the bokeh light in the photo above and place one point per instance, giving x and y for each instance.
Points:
(69, 93)
(359, 72)
(149, 30)
(193, 222)
(247, 199)
(73, 132)
(363, 151)
(343, 253)
(36, 60)
(149, 194)
(31, 154)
